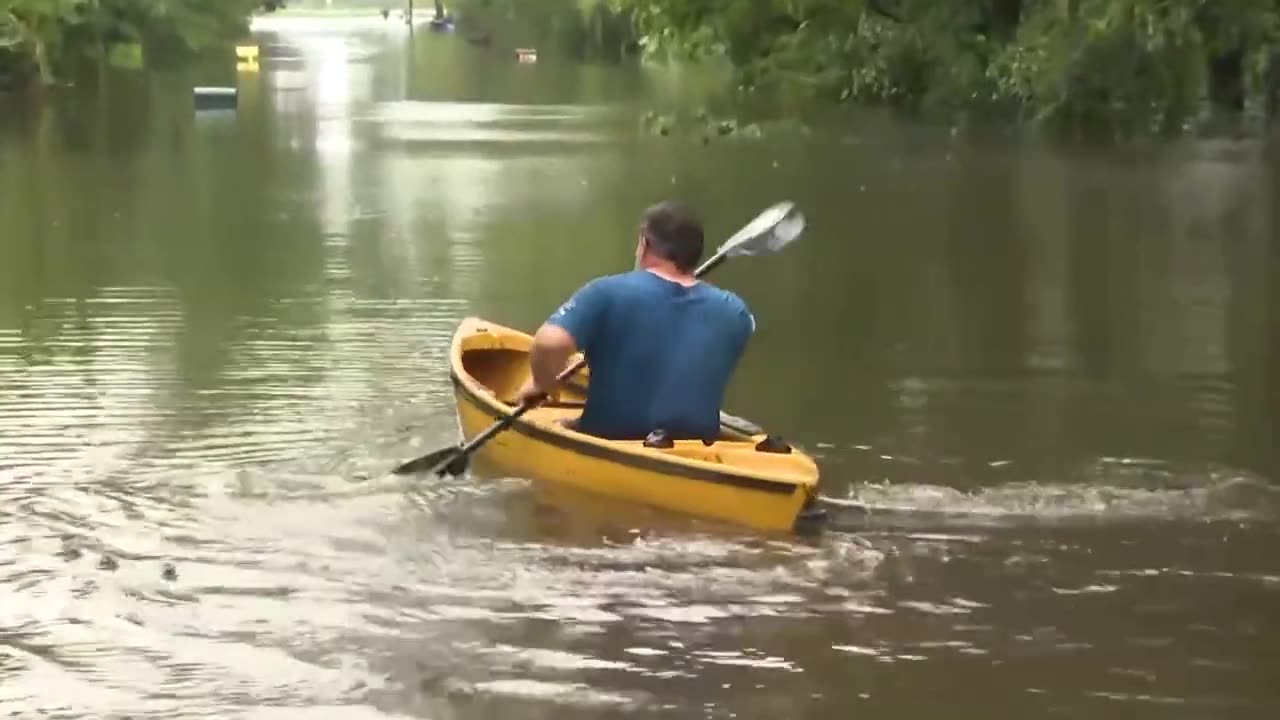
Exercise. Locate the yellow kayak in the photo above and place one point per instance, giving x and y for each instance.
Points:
(746, 477)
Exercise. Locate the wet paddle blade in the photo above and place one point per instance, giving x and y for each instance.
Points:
(455, 467)
(426, 462)
(771, 230)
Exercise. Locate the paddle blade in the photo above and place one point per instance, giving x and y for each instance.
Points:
(426, 462)
(455, 467)
(775, 228)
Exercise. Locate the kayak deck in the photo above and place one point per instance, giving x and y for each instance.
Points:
(740, 477)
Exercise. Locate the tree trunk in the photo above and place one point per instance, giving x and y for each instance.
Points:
(1226, 80)
(1005, 17)
(1271, 386)
(1271, 88)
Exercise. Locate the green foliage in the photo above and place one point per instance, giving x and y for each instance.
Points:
(125, 55)
(584, 29)
(52, 36)
(1118, 62)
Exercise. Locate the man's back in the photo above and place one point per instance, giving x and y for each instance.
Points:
(660, 353)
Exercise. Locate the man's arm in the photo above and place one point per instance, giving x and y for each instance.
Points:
(552, 348)
(568, 330)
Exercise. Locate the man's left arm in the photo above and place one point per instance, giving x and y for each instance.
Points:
(552, 348)
(569, 329)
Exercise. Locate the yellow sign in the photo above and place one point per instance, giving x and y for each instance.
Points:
(247, 58)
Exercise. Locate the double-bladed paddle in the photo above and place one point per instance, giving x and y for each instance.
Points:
(771, 231)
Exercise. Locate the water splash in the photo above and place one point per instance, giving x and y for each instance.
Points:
(1213, 497)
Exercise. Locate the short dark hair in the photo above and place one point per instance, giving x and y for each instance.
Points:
(674, 232)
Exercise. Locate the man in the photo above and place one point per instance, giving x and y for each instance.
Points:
(661, 344)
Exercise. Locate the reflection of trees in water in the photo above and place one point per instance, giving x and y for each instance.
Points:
(1148, 280)
(1248, 253)
(1168, 298)
(1217, 331)
(1269, 397)
(1090, 275)
(987, 260)
(138, 240)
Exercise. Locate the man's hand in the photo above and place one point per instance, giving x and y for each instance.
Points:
(529, 393)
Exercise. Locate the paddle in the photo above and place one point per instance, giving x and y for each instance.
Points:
(769, 232)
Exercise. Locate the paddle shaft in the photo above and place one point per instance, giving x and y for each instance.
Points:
(565, 374)
(505, 422)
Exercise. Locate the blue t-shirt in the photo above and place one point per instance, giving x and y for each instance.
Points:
(660, 353)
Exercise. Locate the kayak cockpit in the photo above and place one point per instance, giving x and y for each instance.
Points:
(503, 371)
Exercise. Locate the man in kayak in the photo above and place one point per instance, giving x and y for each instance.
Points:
(661, 344)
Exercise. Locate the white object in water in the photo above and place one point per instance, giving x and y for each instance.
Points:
(206, 96)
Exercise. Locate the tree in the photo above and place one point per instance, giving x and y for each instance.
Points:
(49, 37)
(1153, 63)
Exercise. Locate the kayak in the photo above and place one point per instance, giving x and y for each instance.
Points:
(745, 477)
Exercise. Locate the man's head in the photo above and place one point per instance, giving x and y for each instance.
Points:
(670, 233)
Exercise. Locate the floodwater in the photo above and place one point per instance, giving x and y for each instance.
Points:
(1051, 372)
